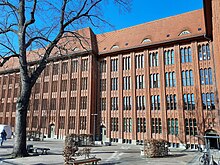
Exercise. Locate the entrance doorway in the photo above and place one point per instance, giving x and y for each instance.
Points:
(212, 139)
(51, 132)
(103, 133)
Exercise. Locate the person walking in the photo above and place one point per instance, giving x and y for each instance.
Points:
(3, 136)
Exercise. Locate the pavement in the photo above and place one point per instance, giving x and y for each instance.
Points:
(123, 154)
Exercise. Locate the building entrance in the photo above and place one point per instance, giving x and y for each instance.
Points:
(51, 132)
(103, 133)
(213, 139)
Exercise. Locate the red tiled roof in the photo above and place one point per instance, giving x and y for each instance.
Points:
(156, 31)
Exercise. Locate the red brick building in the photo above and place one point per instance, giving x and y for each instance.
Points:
(154, 80)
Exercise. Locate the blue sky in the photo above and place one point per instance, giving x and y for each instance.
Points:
(145, 11)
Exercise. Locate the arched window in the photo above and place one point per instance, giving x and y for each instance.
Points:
(115, 47)
(184, 32)
(146, 40)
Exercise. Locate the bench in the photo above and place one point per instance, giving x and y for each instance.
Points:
(86, 161)
(43, 150)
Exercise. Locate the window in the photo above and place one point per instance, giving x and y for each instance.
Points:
(184, 32)
(140, 103)
(126, 63)
(103, 104)
(206, 76)
(72, 120)
(155, 80)
(139, 81)
(187, 78)
(155, 102)
(114, 103)
(35, 122)
(11, 78)
(103, 66)
(47, 70)
(36, 104)
(63, 104)
(74, 64)
(84, 64)
(189, 102)
(44, 104)
(114, 65)
(83, 123)
(127, 102)
(191, 127)
(208, 101)
(55, 69)
(114, 124)
(170, 79)
(204, 52)
(37, 88)
(73, 103)
(73, 84)
(62, 122)
(9, 93)
(171, 102)
(63, 85)
(186, 54)
(115, 47)
(156, 125)
(53, 104)
(126, 83)
(54, 86)
(127, 122)
(84, 83)
(7, 107)
(141, 124)
(139, 61)
(146, 40)
(154, 59)
(114, 84)
(64, 69)
(103, 84)
(173, 126)
(169, 57)
(83, 104)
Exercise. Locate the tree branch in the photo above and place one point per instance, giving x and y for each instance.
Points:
(5, 59)
(62, 18)
(8, 29)
(80, 14)
(7, 47)
(32, 20)
(31, 40)
(6, 3)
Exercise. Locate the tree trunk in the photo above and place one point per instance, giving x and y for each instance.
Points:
(19, 149)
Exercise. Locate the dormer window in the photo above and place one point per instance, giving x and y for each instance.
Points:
(184, 32)
(146, 40)
(115, 47)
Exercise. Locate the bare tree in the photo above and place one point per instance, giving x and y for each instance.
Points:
(37, 27)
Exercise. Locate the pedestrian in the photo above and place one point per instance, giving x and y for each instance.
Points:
(3, 136)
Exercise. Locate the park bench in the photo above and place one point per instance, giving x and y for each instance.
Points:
(86, 161)
(43, 150)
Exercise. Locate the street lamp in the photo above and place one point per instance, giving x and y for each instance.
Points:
(95, 114)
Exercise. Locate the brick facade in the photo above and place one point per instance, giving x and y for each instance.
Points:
(154, 80)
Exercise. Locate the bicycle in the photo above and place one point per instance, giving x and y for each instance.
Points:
(204, 159)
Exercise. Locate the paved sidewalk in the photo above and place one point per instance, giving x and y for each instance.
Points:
(116, 154)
